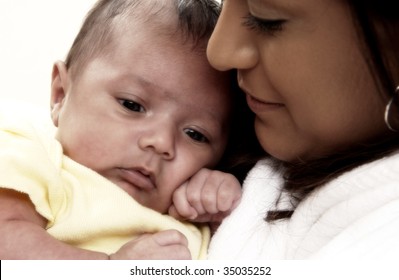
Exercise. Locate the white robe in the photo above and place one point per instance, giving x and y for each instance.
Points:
(355, 216)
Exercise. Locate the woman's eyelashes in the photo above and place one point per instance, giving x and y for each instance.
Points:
(269, 26)
(196, 136)
(132, 105)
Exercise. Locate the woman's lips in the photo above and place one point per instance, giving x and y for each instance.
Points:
(257, 105)
(137, 178)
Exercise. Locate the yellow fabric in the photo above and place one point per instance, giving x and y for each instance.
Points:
(82, 208)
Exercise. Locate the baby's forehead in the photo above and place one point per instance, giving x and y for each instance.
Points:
(158, 18)
(160, 14)
(213, 106)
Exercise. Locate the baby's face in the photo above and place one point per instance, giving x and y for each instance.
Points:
(147, 117)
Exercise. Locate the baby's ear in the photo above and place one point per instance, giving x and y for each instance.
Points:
(59, 86)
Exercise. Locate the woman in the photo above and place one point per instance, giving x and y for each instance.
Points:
(322, 78)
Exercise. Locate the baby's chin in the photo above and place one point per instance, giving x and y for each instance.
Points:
(144, 198)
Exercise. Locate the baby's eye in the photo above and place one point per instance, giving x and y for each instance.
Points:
(132, 106)
(196, 136)
(264, 25)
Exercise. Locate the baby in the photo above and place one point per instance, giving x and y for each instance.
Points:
(139, 114)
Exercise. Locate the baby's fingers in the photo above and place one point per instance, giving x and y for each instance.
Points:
(168, 244)
(170, 237)
(195, 191)
(220, 193)
(229, 194)
(181, 208)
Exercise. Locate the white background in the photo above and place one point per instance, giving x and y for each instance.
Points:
(33, 35)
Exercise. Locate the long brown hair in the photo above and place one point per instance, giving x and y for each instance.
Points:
(377, 22)
(243, 149)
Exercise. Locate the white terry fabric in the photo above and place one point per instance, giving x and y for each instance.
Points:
(355, 216)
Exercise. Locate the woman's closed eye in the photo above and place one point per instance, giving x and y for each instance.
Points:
(269, 26)
(196, 136)
(132, 105)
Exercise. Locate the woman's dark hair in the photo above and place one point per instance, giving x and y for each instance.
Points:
(243, 149)
(377, 22)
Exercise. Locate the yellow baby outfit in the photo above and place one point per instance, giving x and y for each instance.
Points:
(83, 208)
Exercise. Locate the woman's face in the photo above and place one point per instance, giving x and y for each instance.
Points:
(304, 72)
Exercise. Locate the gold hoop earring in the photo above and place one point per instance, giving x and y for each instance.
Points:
(388, 110)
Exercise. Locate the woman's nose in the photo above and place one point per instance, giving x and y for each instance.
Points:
(159, 139)
(232, 44)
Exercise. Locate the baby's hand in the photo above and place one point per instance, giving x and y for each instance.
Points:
(208, 196)
(163, 245)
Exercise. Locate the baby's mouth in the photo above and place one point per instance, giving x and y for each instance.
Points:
(139, 178)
